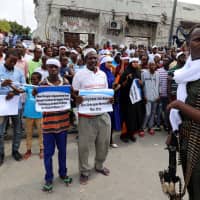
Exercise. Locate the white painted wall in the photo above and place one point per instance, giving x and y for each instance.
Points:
(49, 20)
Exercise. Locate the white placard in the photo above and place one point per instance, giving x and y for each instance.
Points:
(9, 107)
(51, 99)
(96, 101)
(135, 92)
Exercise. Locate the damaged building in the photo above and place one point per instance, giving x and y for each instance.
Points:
(82, 22)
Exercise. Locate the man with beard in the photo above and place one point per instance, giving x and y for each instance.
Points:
(93, 128)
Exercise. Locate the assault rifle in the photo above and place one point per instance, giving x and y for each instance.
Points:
(168, 176)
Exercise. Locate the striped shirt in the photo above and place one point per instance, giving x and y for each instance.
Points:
(163, 77)
(55, 122)
(172, 83)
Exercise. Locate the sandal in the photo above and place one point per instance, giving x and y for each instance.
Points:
(47, 187)
(103, 171)
(66, 179)
(27, 154)
(83, 179)
(141, 133)
(151, 131)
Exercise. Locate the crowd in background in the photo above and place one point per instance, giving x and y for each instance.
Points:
(153, 66)
(150, 69)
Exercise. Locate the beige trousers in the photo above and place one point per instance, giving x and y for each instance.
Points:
(95, 130)
(29, 123)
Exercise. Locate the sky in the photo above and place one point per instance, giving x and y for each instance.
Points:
(14, 10)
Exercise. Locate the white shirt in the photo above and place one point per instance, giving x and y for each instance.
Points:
(87, 79)
(28, 57)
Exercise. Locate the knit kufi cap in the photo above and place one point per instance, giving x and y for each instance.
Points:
(89, 50)
(179, 54)
(133, 59)
(63, 47)
(53, 61)
(74, 51)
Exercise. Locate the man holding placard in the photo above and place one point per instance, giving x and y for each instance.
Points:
(94, 123)
(52, 100)
(11, 78)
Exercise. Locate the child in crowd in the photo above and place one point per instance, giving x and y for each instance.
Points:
(64, 69)
(32, 116)
(54, 125)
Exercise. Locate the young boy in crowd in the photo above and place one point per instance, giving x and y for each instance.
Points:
(54, 125)
(32, 116)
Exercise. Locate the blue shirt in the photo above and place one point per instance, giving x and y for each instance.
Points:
(29, 106)
(63, 71)
(15, 75)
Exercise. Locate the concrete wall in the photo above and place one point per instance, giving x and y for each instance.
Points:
(52, 25)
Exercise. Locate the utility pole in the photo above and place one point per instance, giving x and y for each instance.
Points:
(23, 14)
(172, 23)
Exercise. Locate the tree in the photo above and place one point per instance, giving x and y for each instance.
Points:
(19, 29)
(14, 27)
(4, 26)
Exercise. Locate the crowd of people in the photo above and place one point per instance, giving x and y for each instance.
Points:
(150, 70)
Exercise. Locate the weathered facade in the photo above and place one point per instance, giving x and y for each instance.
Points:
(117, 21)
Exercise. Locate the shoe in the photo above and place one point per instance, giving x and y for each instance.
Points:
(16, 155)
(114, 145)
(166, 128)
(157, 128)
(151, 131)
(105, 171)
(133, 138)
(124, 139)
(1, 159)
(141, 133)
(27, 155)
(83, 179)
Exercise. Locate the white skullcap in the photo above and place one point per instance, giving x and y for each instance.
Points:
(151, 61)
(106, 59)
(25, 45)
(38, 46)
(107, 52)
(154, 46)
(133, 59)
(157, 54)
(89, 50)
(101, 52)
(74, 51)
(121, 46)
(63, 47)
(53, 61)
(179, 54)
(124, 58)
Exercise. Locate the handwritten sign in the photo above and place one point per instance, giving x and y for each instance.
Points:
(9, 107)
(53, 98)
(96, 101)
